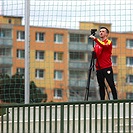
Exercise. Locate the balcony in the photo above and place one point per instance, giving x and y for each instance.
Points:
(81, 83)
(78, 65)
(4, 60)
(6, 42)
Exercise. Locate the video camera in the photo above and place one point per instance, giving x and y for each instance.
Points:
(93, 32)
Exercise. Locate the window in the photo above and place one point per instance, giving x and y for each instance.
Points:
(129, 43)
(58, 38)
(58, 75)
(129, 79)
(58, 93)
(39, 55)
(20, 54)
(6, 33)
(9, 21)
(2, 33)
(114, 60)
(129, 95)
(21, 71)
(77, 74)
(20, 35)
(40, 36)
(5, 70)
(39, 73)
(5, 52)
(129, 61)
(114, 41)
(115, 78)
(58, 56)
(77, 38)
(77, 56)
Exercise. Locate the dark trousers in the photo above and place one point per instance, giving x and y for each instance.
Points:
(107, 74)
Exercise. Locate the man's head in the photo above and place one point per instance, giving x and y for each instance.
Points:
(103, 32)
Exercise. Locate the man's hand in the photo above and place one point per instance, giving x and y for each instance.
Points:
(92, 37)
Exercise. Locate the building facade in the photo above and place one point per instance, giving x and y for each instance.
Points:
(60, 59)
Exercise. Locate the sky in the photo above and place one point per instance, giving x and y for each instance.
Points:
(68, 13)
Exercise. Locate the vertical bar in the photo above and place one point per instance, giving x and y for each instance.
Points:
(74, 118)
(13, 120)
(27, 36)
(118, 118)
(107, 109)
(45, 118)
(23, 119)
(68, 116)
(79, 117)
(62, 119)
(84, 117)
(34, 119)
(90, 122)
(101, 118)
(112, 117)
(96, 118)
(17, 119)
(50, 121)
(56, 118)
(39, 119)
(124, 111)
(2, 125)
(130, 116)
(28, 118)
(7, 117)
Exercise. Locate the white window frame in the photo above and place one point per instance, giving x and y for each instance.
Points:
(58, 75)
(38, 73)
(21, 71)
(114, 41)
(128, 43)
(57, 56)
(128, 61)
(128, 79)
(20, 35)
(77, 56)
(38, 55)
(58, 93)
(20, 54)
(114, 63)
(57, 38)
(40, 37)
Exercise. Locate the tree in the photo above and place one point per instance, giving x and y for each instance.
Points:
(12, 89)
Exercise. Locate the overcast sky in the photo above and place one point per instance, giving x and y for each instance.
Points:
(67, 14)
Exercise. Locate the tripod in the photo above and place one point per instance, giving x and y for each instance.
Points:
(89, 73)
(89, 76)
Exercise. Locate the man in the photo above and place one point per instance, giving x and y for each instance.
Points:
(103, 51)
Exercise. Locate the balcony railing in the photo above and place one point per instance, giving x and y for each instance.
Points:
(79, 65)
(6, 41)
(111, 116)
(5, 60)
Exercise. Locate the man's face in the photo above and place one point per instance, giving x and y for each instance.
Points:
(103, 33)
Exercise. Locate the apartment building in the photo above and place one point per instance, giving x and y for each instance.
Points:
(60, 58)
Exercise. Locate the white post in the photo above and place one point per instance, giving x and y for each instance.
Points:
(27, 50)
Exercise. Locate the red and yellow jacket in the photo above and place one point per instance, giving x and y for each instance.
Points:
(103, 50)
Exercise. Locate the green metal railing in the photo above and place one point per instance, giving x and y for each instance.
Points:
(69, 117)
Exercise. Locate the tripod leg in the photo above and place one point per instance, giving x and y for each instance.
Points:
(88, 81)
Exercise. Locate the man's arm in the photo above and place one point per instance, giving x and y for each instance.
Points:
(99, 42)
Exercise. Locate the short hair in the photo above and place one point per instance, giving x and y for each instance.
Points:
(107, 30)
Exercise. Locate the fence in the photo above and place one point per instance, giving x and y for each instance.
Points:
(73, 117)
(59, 48)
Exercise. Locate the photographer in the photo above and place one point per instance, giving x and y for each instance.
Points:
(103, 51)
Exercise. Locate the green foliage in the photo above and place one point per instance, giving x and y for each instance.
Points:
(12, 89)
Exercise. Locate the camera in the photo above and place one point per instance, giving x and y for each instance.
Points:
(93, 32)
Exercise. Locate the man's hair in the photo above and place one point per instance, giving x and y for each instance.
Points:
(107, 30)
